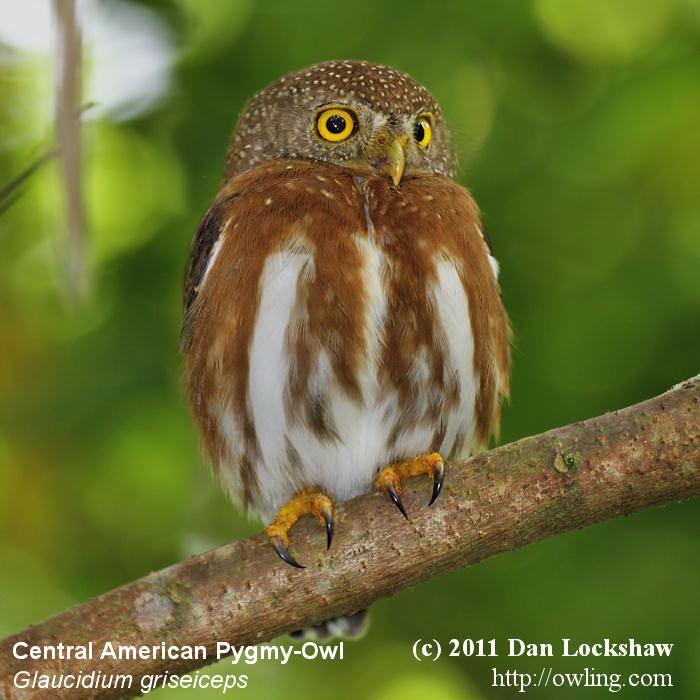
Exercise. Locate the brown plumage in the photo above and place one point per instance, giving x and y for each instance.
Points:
(342, 309)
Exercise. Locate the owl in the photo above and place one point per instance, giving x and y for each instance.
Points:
(343, 326)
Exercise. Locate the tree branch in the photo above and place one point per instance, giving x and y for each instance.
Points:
(501, 500)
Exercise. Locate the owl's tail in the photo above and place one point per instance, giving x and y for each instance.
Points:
(346, 627)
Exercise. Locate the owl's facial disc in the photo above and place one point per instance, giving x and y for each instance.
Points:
(386, 144)
(353, 114)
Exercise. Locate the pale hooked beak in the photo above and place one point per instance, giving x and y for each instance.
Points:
(396, 159)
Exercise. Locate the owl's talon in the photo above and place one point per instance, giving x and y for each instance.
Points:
(438, 478)
(327, 514)
(283, 552)
(306, 502)
(390, 477)
(394, 495)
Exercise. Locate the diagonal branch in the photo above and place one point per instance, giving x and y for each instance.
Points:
(501, 500)
(11, 191)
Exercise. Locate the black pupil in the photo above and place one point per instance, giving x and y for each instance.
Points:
(335, 124)
(420, 132)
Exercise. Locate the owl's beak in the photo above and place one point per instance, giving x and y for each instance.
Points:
(396, 158)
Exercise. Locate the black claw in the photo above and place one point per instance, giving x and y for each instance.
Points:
(437, 482)
(283, 553)
(328, 517)
(393, 494)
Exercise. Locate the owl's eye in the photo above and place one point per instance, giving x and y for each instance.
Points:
(336, 123)
(423, 130)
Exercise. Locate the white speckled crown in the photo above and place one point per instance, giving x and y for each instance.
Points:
(271, 125)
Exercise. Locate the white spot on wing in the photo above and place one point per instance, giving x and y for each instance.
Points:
(214, 254)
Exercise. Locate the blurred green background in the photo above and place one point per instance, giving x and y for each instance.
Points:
(578, 124)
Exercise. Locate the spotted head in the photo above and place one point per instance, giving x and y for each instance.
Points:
(355, 114)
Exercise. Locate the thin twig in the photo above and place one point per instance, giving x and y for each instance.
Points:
(10, 192)
(69, 59)
(10, 189)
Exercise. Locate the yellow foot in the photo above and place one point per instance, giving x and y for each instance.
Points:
(307, 502)
(390, 477)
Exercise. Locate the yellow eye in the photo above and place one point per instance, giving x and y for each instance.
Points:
(423, 130)
(336, 123)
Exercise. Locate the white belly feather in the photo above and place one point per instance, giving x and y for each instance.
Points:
(346, 466)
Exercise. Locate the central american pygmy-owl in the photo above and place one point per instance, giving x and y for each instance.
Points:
(343, 322)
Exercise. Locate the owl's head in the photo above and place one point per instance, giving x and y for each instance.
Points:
(354, 114)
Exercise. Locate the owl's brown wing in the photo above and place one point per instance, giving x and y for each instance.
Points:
(202, 251)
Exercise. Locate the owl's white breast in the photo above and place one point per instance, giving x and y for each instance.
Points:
(291, 455)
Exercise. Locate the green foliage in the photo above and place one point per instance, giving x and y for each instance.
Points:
(577, 125)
